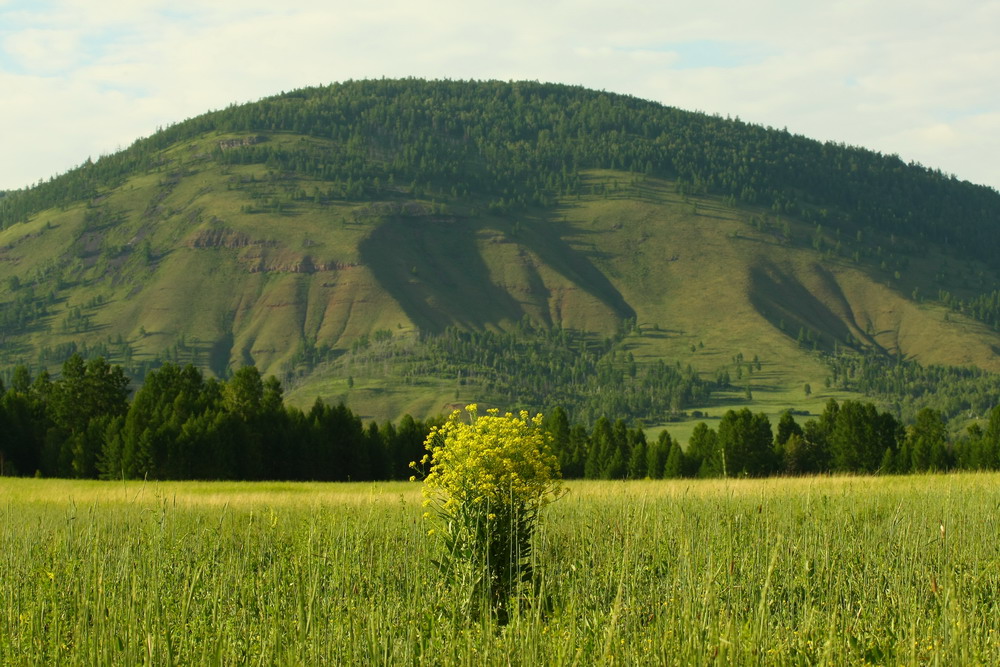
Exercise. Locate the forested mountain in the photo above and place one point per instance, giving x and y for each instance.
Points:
(407, 245)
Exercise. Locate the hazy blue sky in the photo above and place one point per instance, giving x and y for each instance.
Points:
(82, 78)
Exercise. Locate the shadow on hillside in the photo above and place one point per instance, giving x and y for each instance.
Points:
(782, 298)
(546, 239)
(434, 270)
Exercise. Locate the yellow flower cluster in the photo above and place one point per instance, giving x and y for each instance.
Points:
(489, 476)
(492, 460)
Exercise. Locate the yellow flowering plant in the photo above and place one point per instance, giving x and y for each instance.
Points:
(489, 477)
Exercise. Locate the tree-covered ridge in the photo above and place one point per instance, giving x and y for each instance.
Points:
(535, 368)
(523, 143)
(984, 307)
(909, 387)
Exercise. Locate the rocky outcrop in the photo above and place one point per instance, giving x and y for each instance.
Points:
(306, 264)
(223, 237)
(226, 144)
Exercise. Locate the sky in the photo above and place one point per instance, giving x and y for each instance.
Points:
(916, 78)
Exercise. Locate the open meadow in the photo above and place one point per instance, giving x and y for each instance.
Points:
(836, 570)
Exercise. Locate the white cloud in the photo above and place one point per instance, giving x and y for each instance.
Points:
(44, 50)
(81, 78)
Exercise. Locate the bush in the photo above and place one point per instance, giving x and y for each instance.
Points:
(489, 478)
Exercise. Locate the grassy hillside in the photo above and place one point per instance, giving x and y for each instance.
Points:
(301, 233)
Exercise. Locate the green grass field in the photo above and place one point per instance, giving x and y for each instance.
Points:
(786, 571)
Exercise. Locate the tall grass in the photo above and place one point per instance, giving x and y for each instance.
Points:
(831, 570)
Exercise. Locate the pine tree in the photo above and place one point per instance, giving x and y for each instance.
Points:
(674, 467)
(656, 455)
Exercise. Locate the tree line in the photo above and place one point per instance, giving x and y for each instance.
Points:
(909, 387)
(984, 307)
(848, 437)
(181, 425)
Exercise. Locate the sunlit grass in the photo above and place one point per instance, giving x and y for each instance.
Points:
(249, 495)
(781, 571)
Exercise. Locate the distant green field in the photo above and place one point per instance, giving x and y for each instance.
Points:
(770, 400)
(844, 570)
